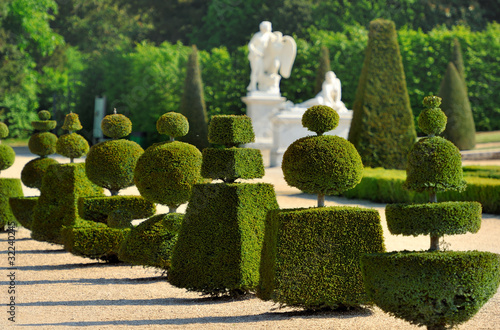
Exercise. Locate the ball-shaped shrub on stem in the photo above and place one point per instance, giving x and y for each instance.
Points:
(172, 124)
(43, 144)
(7, 156)
(111, 164)
(116, 126)
(44, 115)
(4, 131)
(432, 120)
(320, 119)
(34, 170)
(72, 146)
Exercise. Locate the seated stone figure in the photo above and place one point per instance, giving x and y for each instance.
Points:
(330, 94)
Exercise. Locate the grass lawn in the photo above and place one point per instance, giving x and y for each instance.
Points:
(488, 137)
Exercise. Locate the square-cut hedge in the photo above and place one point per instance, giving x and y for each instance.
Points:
(311, 257)
(230, 130)
(8, 188)
(116, 211)
(22, 208)
(230, 164)
(62, 186)
(93, 240)
(219, 245)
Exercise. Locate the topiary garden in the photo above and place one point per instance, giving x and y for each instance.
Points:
(437, 289)
(218, 250)
(8, 187)
(308, 259)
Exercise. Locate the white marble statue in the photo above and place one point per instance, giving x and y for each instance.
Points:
(270, 52)
(330, 95)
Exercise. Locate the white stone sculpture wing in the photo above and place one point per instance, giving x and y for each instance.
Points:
(287, 56)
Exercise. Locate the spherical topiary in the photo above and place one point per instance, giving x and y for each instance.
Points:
(173, 124)
(72, 123)
(166, 172)
(322, 164)
(43, 144)
(7, 156)
(320, 119)
(44, 115)
(434, 165)
(432, 120)
(4, 131)
(34, 170)
(111, 164)
(72, 145)
(116, 126)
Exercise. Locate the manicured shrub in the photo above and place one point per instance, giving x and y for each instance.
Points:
(33, 172)
(460, 129)
(8, 188)
(320, 119)
(193, 104)
(42, 144)
(166, 172)
(116, 126)
(172, 124)
(111, 164)
(436, 219)
(433, 289)
(57, 205)
(72, 122)
(72, 145)
(151, 243)
(382, 128)
(230, 131)
(44, 125)
(22, 209)
(219, 246)
(309, 261)
(44, 115)
(432, 121)
(230, 164)
(7, 156)
(4, 130)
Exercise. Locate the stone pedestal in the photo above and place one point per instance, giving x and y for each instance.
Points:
(287, 127)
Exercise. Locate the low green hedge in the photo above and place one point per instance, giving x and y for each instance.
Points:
(22, 208)
(431, 288)
(492, 172)
(435, 219)
(116, 211)
(230, 164)
(8, 188)
(93, 240)
(386, 186)
(151, 243)
(62, 186)
(310, 257)
(219, 246)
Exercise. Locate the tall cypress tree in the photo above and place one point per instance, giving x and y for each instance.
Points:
(382, 128)
(457, 59)
(323, 68)
(193, 104)
(460, 128)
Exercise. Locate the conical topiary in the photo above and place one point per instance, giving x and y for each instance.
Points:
(457, 60)
(382, 127)
(307, 260)
(193, 104)
(436, 289)
(461, 129)
(323, 67)
(72, 145)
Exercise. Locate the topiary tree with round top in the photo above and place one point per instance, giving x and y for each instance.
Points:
(307, 260)
(165, 174)
(72, 145)
(434, 288)
(8, 187)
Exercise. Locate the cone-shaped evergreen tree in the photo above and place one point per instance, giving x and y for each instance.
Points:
(460, 128)
(323, 68)
(193, 104)
(458, 60)
(382, 128)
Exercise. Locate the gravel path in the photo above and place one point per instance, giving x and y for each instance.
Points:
(56, 290)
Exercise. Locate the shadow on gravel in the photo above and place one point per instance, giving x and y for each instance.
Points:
(70, 266)
(269, 316)
(36, 251)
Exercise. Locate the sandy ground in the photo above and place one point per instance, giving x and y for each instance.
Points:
(56, 290)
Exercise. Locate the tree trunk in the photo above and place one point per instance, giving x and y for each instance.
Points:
(172, 209)
(434, 239)
(321, 200)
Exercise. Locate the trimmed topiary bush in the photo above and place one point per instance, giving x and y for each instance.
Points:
(111, 164)
(382, 128)
(434, 289)
(151, 243)
(72, 145)
(22, 208)
(4, 130)
(308, 261)
(219, 245)
(172, 124)
(230, 164)
(7, 157)
(116, 126)
(42, 144)
(33, 172)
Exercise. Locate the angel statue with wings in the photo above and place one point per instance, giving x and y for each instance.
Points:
(269, 52)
